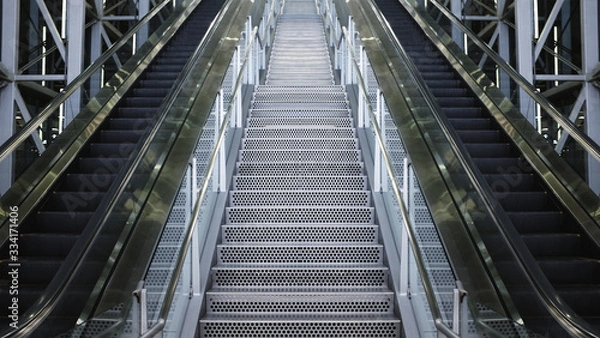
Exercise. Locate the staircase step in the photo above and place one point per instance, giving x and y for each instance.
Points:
(302, 155)
(293, 254)
(260, 122)
(300, 183)
(298, 276)
(316, 214)
(331, 326)
(300, 169)
(300, 132)
(298, 303)
(306, 144)
(240, 198)
(300, 233)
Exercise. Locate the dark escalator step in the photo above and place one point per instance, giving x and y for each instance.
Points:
(557, 244)
(527, 201)
(434, 76)
(456, 101)
(471, 124)
(99, 165)
(463, 112)
(111, 150)
(121, 136)
(170, 68)
(154, 83)
(498, 165)
(56, 222)
(443, 84)
(55, 245)
(490, 149)
(74, 201)
(507, 182)
(479, 136)
(435, 68)
(165, 76)
(87, 182)
(33, 271)
(27, 297)
(130, 123)
(135, 112)
(152, 102)
(577, 270)
(583, 299)
(151, 91)
(449, 92)
(550, 221)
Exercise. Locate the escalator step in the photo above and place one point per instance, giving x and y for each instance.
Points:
(47, 245)
(121, 136)
(33, 271)
(74, 201)
(583, 299)
(87, 182)
(551, 221)
(489, 149)
(56, 222)
(498, 165)
(479, 136)
(130, 123)
(463, 112)
(111, 150)
(503, 183)
(150, 102)
(557, 244)
(100, 165)
(135, 112)
(577, 270)
(526, 201)
(470, 124)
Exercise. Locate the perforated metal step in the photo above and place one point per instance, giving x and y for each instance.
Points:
(337, 326)
(299, 132)
(300, 183)
(317, 143)
(300, 233)
(299, 113)
(295, 197)
(304, 155)
(268, 276)
(257, 122)
(276, 214)
(292, 254)
(300, 169)
(380, 302)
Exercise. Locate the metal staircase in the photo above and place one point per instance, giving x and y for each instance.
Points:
(299, 253)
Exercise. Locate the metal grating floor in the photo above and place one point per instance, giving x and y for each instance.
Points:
(299, 253)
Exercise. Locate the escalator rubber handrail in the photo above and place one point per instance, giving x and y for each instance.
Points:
(564, 314)
(36, 315)
(17, 139)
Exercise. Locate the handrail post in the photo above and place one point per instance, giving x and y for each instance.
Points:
(458, 311)
(140, 307)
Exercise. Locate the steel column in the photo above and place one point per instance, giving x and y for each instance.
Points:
(74, 62)
(591, 56)
(524, 28)
(9, 57)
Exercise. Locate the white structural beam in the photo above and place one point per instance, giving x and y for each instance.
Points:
(524, 50)
(74, 62)
(590, 58)
(9, 56)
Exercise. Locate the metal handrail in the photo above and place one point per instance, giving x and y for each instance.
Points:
(17, 139)
(193, 224)
(588, 144)
(412, 237)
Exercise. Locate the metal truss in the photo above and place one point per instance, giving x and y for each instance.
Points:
(44, 46)
(555, 46)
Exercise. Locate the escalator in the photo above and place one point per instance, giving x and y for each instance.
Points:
(558, 243)
(51, 234)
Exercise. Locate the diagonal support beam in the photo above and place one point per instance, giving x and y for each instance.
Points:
(52, 28)
(547, 28)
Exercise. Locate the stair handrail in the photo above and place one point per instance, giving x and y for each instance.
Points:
(412, 236)
(13, 142)
(562, 313)
(588, 144)
(171, 289)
